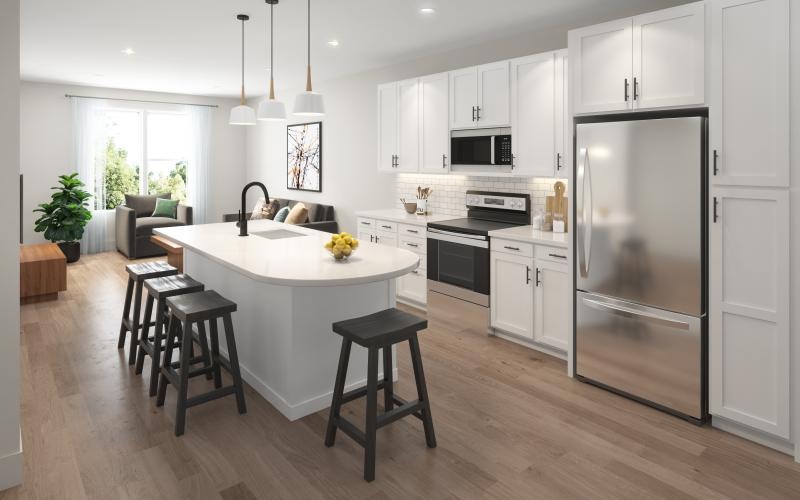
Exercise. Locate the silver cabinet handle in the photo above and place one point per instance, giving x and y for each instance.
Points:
(538, 281)
(412, 231)
(716, 207)
(626, 90)
(371, 238)
(716, 157)
(365, 223)
(635, 89)
(473, 113)
(557, 256)
(386, 227)
(412, 245)
(527, 275)
(558, 161)
(444, 160)
(478, 114)
(516, 249)
(633, 313)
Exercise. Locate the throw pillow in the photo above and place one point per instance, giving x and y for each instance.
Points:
(297, 215)
(281, 215)
(166, 208)
(265, 210)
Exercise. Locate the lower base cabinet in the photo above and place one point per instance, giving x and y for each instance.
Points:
(530, 297)
(413, 286)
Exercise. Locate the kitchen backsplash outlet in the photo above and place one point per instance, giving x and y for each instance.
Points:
(449, 191)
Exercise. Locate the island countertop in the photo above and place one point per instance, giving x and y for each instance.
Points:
(299, 260)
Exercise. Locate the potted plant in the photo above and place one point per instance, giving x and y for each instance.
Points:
(65, 216)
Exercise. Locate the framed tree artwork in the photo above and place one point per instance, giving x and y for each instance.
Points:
(304, 156)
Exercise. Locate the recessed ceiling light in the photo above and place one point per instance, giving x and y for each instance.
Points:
(333, 43)
(128, 51)
(427, 10)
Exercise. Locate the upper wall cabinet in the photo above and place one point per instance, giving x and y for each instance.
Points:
(398, 126)
(387, 126)
(563, 119)
(650, 61)
(749, 112)
(479, 96)
(434, 134)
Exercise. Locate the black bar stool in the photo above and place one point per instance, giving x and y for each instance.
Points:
(137, 273)
(379, 331)
(190, 309)
(158, 290)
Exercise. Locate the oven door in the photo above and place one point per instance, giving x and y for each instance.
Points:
(460, 261)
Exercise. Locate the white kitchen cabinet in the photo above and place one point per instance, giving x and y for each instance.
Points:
(563, 119)
(601, 60)
(669, 57)
(434, 131)
(511, 293)
(414, 286)
(407, 126)
(533, 114)
(552, 296)
(749, 111)
(387, 126)
(749, 335)
(480, 96)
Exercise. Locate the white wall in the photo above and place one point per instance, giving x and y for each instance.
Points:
(794, 204)
(10, 445)
(46, 145)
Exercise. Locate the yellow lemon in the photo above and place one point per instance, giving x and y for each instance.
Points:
(354, 244)
(329, 245)
(347, 251)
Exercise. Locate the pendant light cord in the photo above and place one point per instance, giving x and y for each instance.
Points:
(308, 61)
(242, 97)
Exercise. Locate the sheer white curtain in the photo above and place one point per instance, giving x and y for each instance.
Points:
(199, 160)
(99, 233)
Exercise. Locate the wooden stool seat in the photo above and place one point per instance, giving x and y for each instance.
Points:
(170, 286)
(186, 311)
(137, 274)
(379, 331)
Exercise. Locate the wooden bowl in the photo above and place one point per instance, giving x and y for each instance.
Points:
(411, 207)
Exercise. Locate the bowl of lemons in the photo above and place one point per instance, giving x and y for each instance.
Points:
(341, 246)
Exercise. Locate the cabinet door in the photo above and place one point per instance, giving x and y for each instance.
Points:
(601, 58)
(414, 286)
(511, 294)
(533, 115)
(563, 120)
(407, 126)
(463, 97)
(749, 112)
(387, 126)
(668, 57)
(494, 103)
(552, 304)
(387, 239)
(749, 308)
(434, 130)
(366, 235)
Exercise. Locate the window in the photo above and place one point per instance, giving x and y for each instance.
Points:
(140, 151)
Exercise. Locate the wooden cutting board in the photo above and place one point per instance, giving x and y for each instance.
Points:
(558, 204)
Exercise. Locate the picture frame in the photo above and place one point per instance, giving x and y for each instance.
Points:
(304, 156)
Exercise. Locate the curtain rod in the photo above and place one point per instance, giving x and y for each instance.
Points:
(142, 100)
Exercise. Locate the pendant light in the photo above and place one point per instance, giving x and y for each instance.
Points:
(270, 109)
(309, 103)
(242, 114)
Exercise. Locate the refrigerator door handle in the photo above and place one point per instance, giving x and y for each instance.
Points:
(635, 314)
(585, 214)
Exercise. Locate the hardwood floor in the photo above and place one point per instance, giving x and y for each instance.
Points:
(509, 424)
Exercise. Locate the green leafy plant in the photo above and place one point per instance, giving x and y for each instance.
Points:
(66, 215)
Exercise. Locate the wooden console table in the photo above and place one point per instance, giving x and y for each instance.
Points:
(174, 251)
(42, 272)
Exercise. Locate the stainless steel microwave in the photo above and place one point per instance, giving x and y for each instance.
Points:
(481, 147)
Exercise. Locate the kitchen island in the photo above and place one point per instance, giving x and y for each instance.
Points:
(289, 291)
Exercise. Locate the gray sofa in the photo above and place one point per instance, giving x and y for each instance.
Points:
(320, 217)
(134, 225)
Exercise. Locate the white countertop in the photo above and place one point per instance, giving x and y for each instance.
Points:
(528, 234)
(403, 217)
(296, 261)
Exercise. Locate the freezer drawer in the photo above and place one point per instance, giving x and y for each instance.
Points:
(649, 353)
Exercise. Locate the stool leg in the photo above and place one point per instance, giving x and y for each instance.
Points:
(233, 358)
(183, 379)
(137, 310)
(372, 414)
(215, 353)
(167, 363)
(145, 338)
(155, 364)
(338, 390)
(203, 341)
(126, 313)
(388, 383)
(422, 392)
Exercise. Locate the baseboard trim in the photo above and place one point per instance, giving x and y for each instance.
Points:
(552, 351)
(751, 434)
(11, 468)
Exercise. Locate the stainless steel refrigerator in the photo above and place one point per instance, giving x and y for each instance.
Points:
(640, 258)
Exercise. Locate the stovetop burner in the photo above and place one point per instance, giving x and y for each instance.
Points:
(489, 211)
(470, 225)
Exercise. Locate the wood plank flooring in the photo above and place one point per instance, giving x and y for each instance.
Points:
(509, 424)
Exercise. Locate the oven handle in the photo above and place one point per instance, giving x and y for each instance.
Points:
(461, 239)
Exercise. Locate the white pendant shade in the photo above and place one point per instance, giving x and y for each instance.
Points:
(242, 115)
(309, 104)
(271, 110)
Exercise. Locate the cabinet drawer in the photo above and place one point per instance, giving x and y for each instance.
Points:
(556, 254)
(366, 224)
(416, 245)
(386, 226)
(412, 231)
(512, 247)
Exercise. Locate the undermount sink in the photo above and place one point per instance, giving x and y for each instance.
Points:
(277, 234)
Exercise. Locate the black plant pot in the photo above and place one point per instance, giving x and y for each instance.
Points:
(71, 249)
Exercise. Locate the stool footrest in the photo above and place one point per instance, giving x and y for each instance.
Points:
(210, 396)
(359, 393)
(127, 323)
(351, 430)
(402, 402)
(399, 412)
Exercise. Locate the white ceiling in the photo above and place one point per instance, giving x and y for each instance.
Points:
(192, 46)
